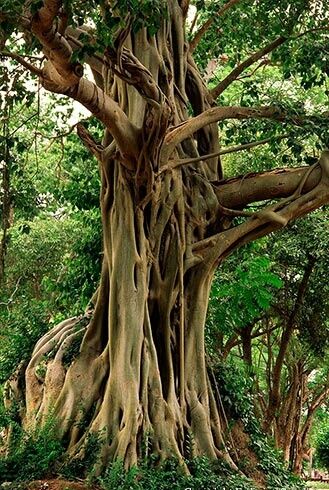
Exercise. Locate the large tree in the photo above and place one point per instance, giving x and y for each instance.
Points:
(169, 216)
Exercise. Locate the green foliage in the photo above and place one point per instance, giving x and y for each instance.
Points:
(83, 466)
(32, 454)
(241, 293)
(271, 463)
(292, 249)
(235, 387)
(110, 19)
(322, 446)
(50, 274)
(81, 268)
(34, 254)
(22, 327)
(204, 475)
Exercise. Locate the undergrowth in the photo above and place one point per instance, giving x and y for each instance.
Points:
(41, 454)
(235, 389)
(31, 454)
(203, 475)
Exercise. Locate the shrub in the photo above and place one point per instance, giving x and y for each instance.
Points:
(31, 454)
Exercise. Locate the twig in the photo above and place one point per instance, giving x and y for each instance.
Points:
(232, 149)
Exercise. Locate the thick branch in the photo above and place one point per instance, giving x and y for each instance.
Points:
(204, 28)
(110, 114)
(89, 95)
(56, 47)
(301, 202)
(216, 91)
(238, 192)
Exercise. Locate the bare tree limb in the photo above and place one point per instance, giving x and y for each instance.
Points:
(232, 149)
(204, 28)
(238, 192)
(233, 75)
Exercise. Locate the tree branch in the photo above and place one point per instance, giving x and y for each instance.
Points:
(238, 192)
(302, 202)
(216, 91)
(232, 149)
(233, 75)
(259, 333)
(179, 133)
(56, 46)
(204, 28)
(60, 75)
(21, 60)
(111, 115)
(98, 103)
(95, 148)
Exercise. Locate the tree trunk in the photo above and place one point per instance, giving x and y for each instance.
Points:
(167, 215)
(141, 369)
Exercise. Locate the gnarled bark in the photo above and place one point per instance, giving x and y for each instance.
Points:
(141, 370)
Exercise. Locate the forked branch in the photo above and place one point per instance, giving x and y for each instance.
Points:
(309, 189)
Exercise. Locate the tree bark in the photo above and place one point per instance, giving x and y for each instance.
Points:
(141, 371)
